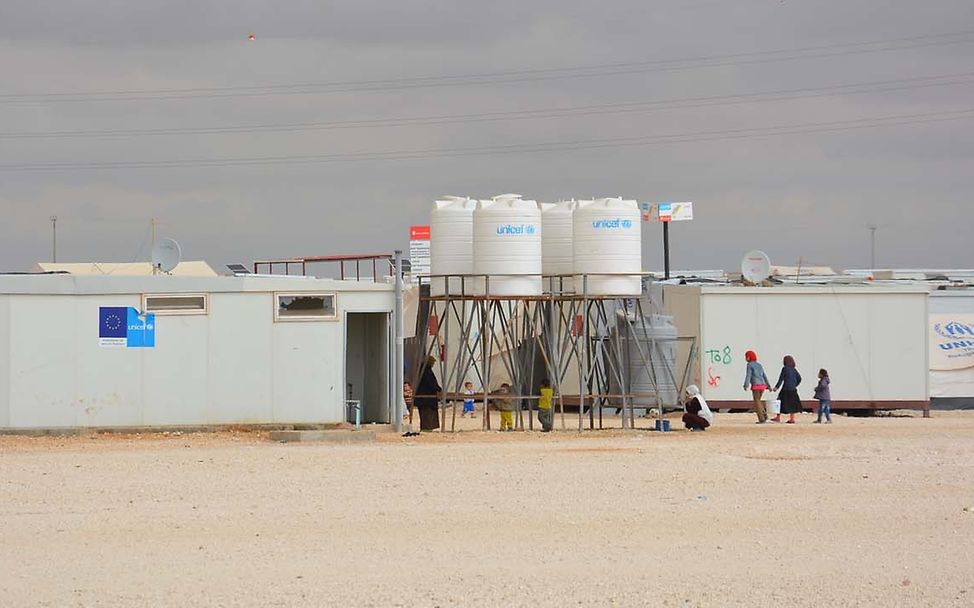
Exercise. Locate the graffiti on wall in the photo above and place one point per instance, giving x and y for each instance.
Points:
(719, 355)
(712, 379)
(714, 356)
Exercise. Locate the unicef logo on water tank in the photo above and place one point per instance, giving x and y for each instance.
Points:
(616, 223)
(517, 229)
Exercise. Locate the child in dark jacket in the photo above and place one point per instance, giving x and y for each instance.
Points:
(824, 395)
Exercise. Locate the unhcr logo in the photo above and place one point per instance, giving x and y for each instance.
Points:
(614, 223)
(954, 330)
(960, 336)
(516, 229)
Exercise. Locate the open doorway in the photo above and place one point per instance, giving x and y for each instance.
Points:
(367, 365)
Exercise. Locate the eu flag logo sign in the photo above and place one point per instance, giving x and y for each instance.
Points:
(113, 326)
(123, 326)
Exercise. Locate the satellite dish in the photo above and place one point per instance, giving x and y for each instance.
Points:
(756, 266)
(166, 255)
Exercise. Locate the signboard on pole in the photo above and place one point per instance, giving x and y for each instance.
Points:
(667, 212)
(681, 212)
(419, 250)
(673, 212)
(664, 211)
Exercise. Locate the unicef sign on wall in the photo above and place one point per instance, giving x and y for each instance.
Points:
(125, 327)
(951, 341)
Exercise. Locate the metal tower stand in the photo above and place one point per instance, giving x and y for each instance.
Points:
(478, 337)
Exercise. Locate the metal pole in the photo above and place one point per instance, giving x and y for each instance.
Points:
(583, 356)
(54, 240)
(666, 250)
(487, 325)
(445, 380)
(872, 248)
(397, 359)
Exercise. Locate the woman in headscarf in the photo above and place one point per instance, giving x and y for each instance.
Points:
(427, 398)
(788, 381)
(696, 414)
(757, 381)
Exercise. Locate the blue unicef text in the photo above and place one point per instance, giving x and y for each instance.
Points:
(516, 229)
(613, 223)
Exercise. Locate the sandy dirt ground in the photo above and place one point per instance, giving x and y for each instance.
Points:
(864, 512)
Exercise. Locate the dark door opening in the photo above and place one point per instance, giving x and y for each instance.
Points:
(367, 365)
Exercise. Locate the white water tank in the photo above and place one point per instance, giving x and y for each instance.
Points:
(650, 348)
(607, 240)
(451, 244)
(507, 241)
(557, 246)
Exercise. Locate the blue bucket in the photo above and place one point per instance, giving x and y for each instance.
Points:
(666, 426)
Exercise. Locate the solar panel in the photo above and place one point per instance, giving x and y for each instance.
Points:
(238, 269)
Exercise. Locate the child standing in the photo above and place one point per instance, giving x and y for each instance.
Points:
(824, 395)
(468, 400)
(407, 397)
(544, 406)
(506, 406)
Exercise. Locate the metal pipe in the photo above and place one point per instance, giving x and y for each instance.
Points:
(872, 249)
(666, 250)
(54, 235)
(444, 370)
(398, 356)
(583, 355)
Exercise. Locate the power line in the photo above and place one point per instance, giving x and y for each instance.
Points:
(570, 111)
(500, 77)
(590, 144)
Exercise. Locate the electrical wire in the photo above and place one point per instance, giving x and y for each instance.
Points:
(589, 144)
(570, 111)
(500, 77)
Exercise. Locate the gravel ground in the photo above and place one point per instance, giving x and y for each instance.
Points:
(864, 512)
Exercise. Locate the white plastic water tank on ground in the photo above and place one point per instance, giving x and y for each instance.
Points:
(650, 348)
(451, 244)
(507, 241)
(607, 240)
(557, 246)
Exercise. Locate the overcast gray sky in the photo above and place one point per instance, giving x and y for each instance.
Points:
(713, 74)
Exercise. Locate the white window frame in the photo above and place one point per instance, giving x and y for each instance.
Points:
(304, 318)
(195, 311)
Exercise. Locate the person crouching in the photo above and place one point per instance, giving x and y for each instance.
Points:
(696, 414)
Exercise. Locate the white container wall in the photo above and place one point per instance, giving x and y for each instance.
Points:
(607, 240)
(557, 246)
(232, 364)
(507, 241)
(451, 244)
(871, 339)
